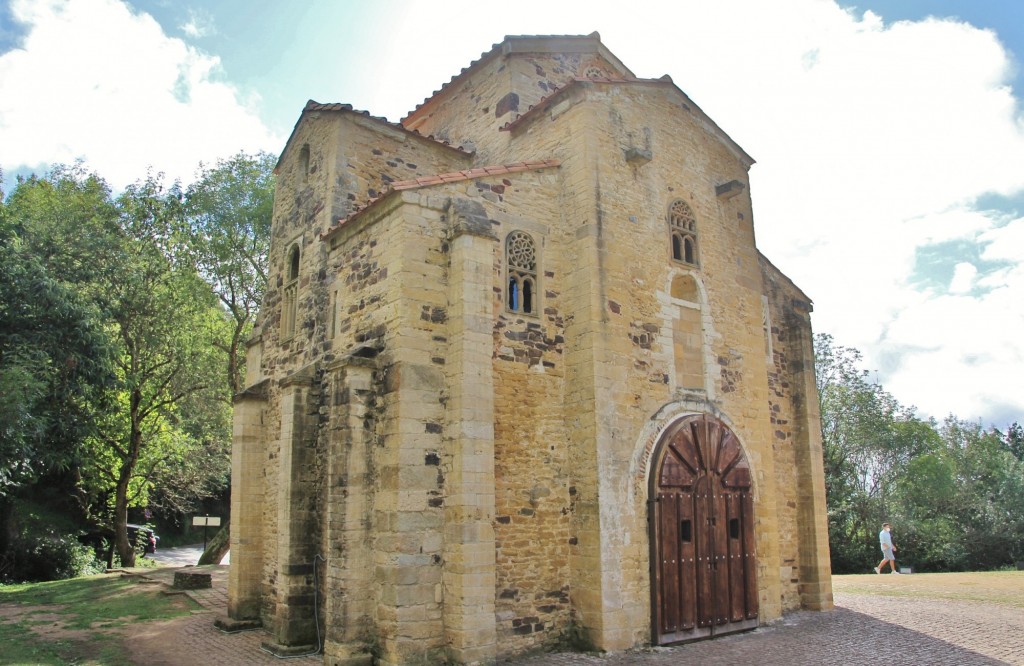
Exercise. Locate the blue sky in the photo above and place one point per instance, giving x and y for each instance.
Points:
(889, 135)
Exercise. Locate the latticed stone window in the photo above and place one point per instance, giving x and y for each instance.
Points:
(521, 261)
(683, 227)
(290, 298)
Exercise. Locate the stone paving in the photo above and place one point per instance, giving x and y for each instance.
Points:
(195, 640)
(863, 629)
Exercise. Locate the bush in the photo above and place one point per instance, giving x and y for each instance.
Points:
(49, 557)
(42, 543)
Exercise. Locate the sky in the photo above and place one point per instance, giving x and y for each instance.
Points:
(888, 134)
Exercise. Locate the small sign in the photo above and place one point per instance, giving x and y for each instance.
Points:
(206, 521)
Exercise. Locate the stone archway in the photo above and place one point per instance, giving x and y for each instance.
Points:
(703, 561)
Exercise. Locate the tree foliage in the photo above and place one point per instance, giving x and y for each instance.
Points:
(954, 493)
(157, 428)
(55, 357)
(227, 232)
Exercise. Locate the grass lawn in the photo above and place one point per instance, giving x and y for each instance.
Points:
(998, 587)
(77, 621)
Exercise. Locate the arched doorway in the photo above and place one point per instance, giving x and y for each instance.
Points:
(703, 563)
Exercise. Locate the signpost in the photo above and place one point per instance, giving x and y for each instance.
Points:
(206, 521)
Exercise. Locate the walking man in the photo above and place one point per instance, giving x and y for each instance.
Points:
(888, 550)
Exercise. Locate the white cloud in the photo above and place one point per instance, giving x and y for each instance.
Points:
(1004, 242)
(872, 139)
(199, 24)
(95, 81)
(964, 274)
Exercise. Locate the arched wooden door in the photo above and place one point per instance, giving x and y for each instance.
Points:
(703, 564)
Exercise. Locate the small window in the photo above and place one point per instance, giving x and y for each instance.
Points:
(734, 528)
(304, 163)
(521, 262)
(683, 229)
(686, 531)
(293, 263)
(332, 324)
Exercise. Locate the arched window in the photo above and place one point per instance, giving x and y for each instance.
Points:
(683, 227)
(293, 263)
(290, 297)
(521, 263)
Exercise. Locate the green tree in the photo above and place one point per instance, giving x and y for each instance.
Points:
(168, 327)
(954, 494)
(68, 222)
(158, 427)
(1015, 441)
(228, 214)
(228, 211)
(869, 441)
(990, 497)
(54, 352)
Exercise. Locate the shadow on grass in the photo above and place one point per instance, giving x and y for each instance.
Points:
(76, 621)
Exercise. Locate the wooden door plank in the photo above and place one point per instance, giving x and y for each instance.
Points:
(749, 555)
(687, 564)
(669, 549)
(737, 572)
(720, 564)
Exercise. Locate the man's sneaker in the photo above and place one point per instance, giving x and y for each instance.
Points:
(877, 570)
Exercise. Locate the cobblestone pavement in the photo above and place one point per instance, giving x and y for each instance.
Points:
(195, 640)
(863, 629)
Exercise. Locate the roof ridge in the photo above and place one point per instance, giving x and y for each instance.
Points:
(498, 48)
(313, 106)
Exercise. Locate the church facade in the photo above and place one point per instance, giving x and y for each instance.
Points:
(521, 377)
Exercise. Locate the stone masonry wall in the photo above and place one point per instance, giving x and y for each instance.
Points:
(782, 417)
(794, 402)
(476, 106)
(419, 496)
(532, 480)
(342, 291)
(623, 260)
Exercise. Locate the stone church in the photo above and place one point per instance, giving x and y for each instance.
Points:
(522, 379)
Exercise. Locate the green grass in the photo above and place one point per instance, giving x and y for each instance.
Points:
(87, 611)
(20, 647)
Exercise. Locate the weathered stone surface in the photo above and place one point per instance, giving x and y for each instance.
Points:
(450, 468)
(190, 580)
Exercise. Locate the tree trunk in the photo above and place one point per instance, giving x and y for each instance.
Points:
(218, 546)
(125, 549)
